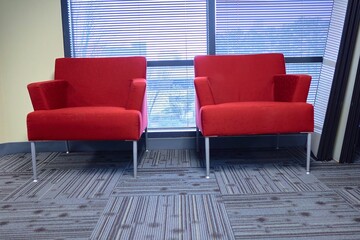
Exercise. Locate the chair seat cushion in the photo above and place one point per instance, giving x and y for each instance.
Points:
(85, 123)
(247, 118)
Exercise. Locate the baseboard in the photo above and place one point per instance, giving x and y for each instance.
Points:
(161, 141)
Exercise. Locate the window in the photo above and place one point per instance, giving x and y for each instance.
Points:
(297, 28)
(171, 32)
(168, 33)
(329, 63)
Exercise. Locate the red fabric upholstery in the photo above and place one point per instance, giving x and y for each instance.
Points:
(246, 118)
(85, 123)
(234, 78)
(48, 94)
(203, 91)
(250, 94)
(99, 81)
(291, 88)
(90, 99)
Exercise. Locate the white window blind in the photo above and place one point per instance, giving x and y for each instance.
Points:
(313, 69)
(297, 28)
(159, 29)
(171, 32)
(168, 32)
(330, 59)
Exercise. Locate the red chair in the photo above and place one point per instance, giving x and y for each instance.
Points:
(90, 99)
(250, 94)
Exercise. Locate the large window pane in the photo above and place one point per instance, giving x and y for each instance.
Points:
(297, 28)
(171, 32)
(171, 97)
(158, 29)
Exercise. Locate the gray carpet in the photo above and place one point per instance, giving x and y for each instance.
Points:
(251, 194)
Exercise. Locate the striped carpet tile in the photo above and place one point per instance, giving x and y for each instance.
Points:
(267, 155)
(49, 219)
(180, 217)
(170, 158)
(305, 215)
(22, 162)
(257, 194)
(9, 182)
(81, 160)
(265, 178)
(64, 184)
(338, 175)
(351, 194)
(165, 182)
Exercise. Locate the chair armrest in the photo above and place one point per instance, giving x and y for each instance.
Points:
(291, 87)
(48, 94)
(203, 91)
(137, 94)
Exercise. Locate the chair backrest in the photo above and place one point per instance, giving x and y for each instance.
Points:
(99, 81)
(236, 78)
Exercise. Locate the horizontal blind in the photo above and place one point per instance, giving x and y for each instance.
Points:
(330, 59)
(157, 29)
(297, 28)
(171, 97)
(322, 96)
(313, 69)
(170, 31)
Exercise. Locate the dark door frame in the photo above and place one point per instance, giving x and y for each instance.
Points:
(341, 76)
(352, 129)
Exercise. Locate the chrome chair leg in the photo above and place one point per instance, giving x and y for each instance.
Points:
(146, 140)
(197, 139)
(67, 147)
(33, 160)
(135, 158)
(308, 149)
(207, 156)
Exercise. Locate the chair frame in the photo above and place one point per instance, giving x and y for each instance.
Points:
(134, 152)
(207, 151)
(49, 95)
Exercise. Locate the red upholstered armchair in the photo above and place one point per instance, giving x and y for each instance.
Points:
(250, 94)
(90, 99)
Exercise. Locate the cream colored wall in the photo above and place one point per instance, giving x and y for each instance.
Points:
(30, 40)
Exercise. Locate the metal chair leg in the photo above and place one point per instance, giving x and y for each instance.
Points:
(146, 140)
(197, 139)
(67, 146)
(135, 158)
(308, 149)
(207, 156)
(33, 160)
